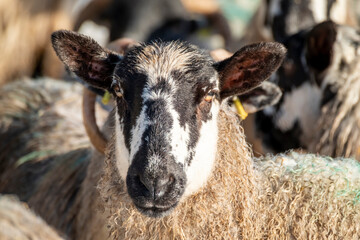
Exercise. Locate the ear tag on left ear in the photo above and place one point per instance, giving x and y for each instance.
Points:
(106, 98)
(239, 108)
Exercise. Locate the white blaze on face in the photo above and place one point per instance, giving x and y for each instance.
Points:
(121, 152)
(205, 152)
(142, 122)
(179, 137)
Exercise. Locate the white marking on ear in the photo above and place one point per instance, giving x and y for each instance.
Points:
(205, 153)
(121, 152)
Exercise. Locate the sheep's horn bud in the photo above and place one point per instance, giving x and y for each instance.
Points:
(88, 112)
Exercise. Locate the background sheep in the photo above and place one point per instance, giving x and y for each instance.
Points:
(18, 222)
(279, 19)
(242, 197)
(39, 120)
(319, 109)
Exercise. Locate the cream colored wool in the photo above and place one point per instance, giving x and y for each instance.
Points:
(18, 222)
(281, 197)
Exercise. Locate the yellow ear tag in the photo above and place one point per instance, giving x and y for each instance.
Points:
(106, 98)
(239, 107)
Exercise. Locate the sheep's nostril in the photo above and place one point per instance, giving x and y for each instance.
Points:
(143, 186)
(163, 185)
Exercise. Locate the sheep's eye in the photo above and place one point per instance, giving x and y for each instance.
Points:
(210, 96)
(118, 91)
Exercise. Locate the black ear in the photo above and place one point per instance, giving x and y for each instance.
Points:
(85, 57)
(265, 95)
(249, 67)
(319, 45)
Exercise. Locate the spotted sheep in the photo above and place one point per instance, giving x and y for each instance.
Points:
(177, 165)
(319, 107)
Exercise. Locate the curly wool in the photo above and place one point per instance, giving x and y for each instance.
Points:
(305, 196)
(18, 222)
(277, 197)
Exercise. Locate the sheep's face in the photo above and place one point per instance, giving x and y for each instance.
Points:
(166, 123)
(168, 96)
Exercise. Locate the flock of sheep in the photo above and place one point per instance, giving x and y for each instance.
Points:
(172, 159)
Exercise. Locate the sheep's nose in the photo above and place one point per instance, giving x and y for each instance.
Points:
(156, 187)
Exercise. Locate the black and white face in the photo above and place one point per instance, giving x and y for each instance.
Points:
(166, 122)
(168, 96)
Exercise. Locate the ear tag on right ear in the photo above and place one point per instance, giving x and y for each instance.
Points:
(239, 108)
(106, 98)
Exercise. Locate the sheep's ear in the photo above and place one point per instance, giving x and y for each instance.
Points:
(319, 45)
(265, 95)
(249, 67)
(85, 57)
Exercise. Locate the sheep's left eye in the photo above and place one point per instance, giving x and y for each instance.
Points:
(210, 96)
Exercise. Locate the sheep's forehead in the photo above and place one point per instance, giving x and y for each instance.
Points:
(172, 75)
(165, 58)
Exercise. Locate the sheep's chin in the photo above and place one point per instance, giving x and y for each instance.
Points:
(156, 212)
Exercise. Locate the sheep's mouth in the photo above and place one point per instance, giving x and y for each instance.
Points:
(156, 211)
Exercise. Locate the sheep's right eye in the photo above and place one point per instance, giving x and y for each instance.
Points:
(210, 96)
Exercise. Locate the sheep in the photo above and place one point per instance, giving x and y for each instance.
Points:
(17, 222)
(319, 76)
(141, 186)
(39, 119)
(279, 19)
